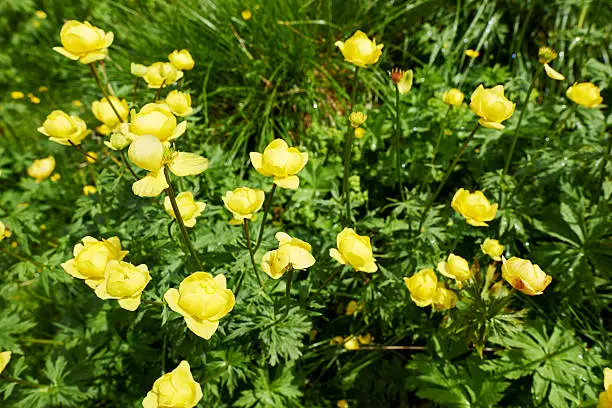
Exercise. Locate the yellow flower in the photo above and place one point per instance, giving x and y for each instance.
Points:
(585, 94)
(103, 111)
(56, 177)
(455, 267)
(202, 300)
(444, 299)
(4, 231)
(246, 15)
(77, 103)
(351, 343)
(188, 207)
(423, 287)
(34, 99)
(91, 257)
(124, 282)
(243, 202)
(138, 70)
(5, 357)
(605, 397)
(84, 42)
(156, 119)
(148, 153)
(120, 137)
(342, 404)
(282, 162)
(64, 129)
(493, 248)
(175, 389)
(521, 274)
(161, 74)
(89, 190)
(492, 106)
(453, 97)
(337, 340)
(181, 60)
(359, 133)
(546, 55)
(354, 250)
(357, 119)
(91, 157)
(291, 253)
(17, 95)
(179, 102)
(42, 168)
(359, 50)
(553, 74)
(40, 14)
(474, 207)
(365, 338)
(403, 79)
(43, 88)
(353, 307)
(472, 53)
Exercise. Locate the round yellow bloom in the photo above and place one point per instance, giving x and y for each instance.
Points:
(423, 287)
(243, 202)
(246, 15)
(91, 257)
(5, 357)
(84, 42)
(42, 168)
(359, 50)
(605, 397)
(351, 343)
(455, 267)
(282, 162)
(124, 282)
(34, 99)
(359, 133)
(357, 119)
(138, 70)
(585, 94)
(179, 102)
(56, 177)
(103, 111)
(453, 97)
(353, 307)
(291, 253)
(40, 14)
(181, 60)
(342, 404)
(188, 207)
(89, 190)
(492, 106)
(202, 300)
(17, 95)
(176, 389)
(161, 74)
(444, 299)
(354, 250)
(493, 248)
(521, 274)
(147, 152)
(474, 207)
(472, 53)
(156, 119)
(64, 129)
(91, 157)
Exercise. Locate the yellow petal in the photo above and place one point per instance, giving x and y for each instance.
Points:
(150, 400)
(369, 266)
(552, 73)
(290, 182)
(188, 164)
(151, 185)
(491, 125)
(130, 304)
(202, 328)
(66, 53)
(333, 252)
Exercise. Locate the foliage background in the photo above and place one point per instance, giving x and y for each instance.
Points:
(279, 75)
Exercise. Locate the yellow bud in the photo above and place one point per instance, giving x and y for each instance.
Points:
(179, 102)
(291, 253)
(17, 95)
(147, 152)
(56, 177)
(455, 267)
(357, 119)
(359, 133)
(84, 42)
(492, 106)
(5, 357)
(176, 389)
(182, 60)
(546, 55)
(156, 119)
(34, 99)
(472, 53)
(474, 207)
(77, 104)
(353, 307)
(453, 97)
(138, 70)
(359, 50)
(42, 168)
(354, 250)
(423, 287)
(64, 129)
(342, 404)
(521, 274)
(89, 190)
(351, 343)
(444, 299)
(120, 138)
(103, 111)
(585, 94)
(161, 74)
(188, 207)
(202, 300)
(280, 161)
(40, 14)
(91, 157)
(43, 88)
(493, 248)
(246, 15)
(243, 202)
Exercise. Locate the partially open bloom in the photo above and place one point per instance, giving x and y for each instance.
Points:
(359, 50)
(103, 111)
(474, 207)
(124, 282)
(91, 257)
(351, 343)
(148, 153)
(188, 207)
(179, 102)
(403, 79)
(40, 14)
(492, 106)
(202, 300)
(280, 161)
(4, 232)
(455, 267)
(472, 53)
(444, 298)
(89, 190)
(176, 389)
(342, 403)
(156, 119)
(291, 253)
(138, 70)
(605, 397)
(182, 60)
(357, 119)
(353, 307)
(546, 55)
(120, 137)
(17, 95)
(243, 202)
(84, 42)
(453, 97)
(423, 287)
(493, 248)
(354, 250)
(585, 94)
(359, 133)
(521, 274)
(161, 74)
(42, 168)
(246, 15)
(64, 129)
(5, 357)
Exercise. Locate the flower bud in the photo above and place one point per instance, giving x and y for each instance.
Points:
(357, 119)
(243, 202)
(176, 389)
(42, 168)
(120, 138)
(472, 53)
(161, 74)
(89, 190)
(456, 268)
(359, 50)
(63, 128)
(453, 97)
(354, 250)
(492, 106)
(188, 207)
(84, 42)
(179, 102)
(359, 133)
(521, 274)
(124, 282)
(423, 287)
(493, 248)
(103, 111)
(585, 94)
(147, 152)
(280, 161)
(182, 60)
(351, 343)
(474, 207)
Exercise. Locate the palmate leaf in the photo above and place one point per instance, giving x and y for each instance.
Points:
(276, 389)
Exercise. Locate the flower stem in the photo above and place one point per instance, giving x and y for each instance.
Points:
(435, 152)
(96, 76)
(23, 382)
(135, 90)
(289, 279)
(127, 164)
(447, 174)
(159, 90)
(398, 137)
(179, 219)
(23, 259)
(348, 141)
(81, 150)
(247, 235)
(265, 215)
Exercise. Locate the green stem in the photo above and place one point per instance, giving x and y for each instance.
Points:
(265, 215)
(94, 73)
(23, 259)
(447, 174)
(159, 90)
(247, 235)
(135, 90)
(23, 382)
(348, 141)
(239, 285)
(288, 287)
(433, 157)
(81, 150)
(127, 164)
(179, 219)
(398, 138)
